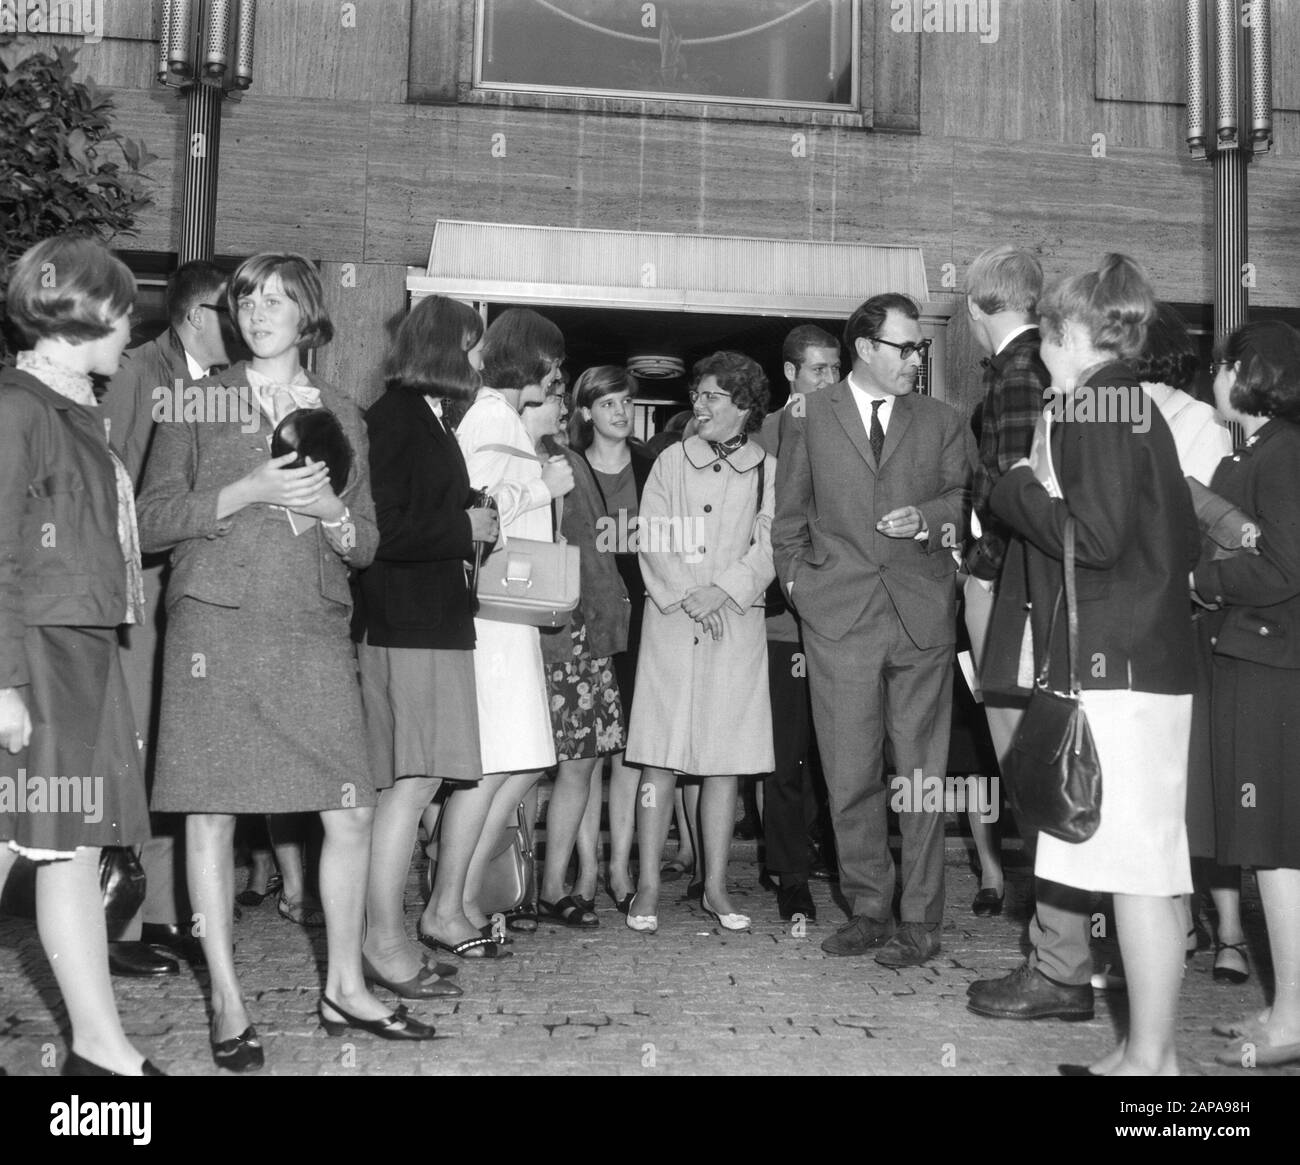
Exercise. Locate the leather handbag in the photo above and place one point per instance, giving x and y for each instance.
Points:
(121, 880)
(1052, 769)
(509, 878)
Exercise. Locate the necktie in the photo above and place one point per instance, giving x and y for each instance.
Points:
(877, 431)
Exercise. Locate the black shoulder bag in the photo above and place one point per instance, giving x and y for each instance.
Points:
(1052, 770)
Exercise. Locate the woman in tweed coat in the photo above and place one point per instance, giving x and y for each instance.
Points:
(261, 709)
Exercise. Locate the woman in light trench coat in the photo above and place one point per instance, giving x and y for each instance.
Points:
(701, 705)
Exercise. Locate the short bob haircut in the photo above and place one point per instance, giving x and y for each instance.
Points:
(1005, 278)
(431, 353)
(602, 380)
(1169, 356)
(301, 284)
(1268, 381)
(71, 287)
(868, 321)
(520, 348)
(740, 376)
(1114, 304)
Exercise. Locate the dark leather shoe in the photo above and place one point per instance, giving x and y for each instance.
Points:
(823, 873)
(859, 935)
(987, 902)
(1076, 1070)
(1029, 994)
(913, 943)
(174, 938)
(796, 899)
(139, 960)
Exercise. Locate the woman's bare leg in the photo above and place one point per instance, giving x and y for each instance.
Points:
(563, 820)
(210, 871)
(396, 820)
(654, 810)
(717, 800)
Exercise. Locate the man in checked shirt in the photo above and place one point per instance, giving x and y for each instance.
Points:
(1002, 292)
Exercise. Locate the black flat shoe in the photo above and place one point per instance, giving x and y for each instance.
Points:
(566, 912)
(1076, 1070)
(243, 1053)
(1227, 974)
(397, 1026)
(620, 904)
(253, 898)
(139, 960)
(426, 986)
(988, 902)
(76, 1065)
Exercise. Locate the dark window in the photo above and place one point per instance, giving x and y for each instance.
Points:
(785, 52)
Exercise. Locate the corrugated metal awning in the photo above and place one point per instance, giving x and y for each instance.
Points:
(505, 262)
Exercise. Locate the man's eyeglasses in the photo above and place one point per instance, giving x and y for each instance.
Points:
(220, 308)
(906, 351)
(709, 398)
(1215, 365)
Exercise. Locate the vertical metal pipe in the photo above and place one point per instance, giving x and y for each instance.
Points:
(1225, 57)
(180, 48)
(244, 44)
(202, 149)
(1230, 294)
(1260, 81)
(166, 18)
(1195, 59)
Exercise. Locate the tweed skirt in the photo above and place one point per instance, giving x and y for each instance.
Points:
(261, 712)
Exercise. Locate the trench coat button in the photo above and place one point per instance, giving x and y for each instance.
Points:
(717, 468)
(1263, 630)
(1214, 640)
(708, 509)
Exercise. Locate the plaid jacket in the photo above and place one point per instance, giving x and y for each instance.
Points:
(1015, 382)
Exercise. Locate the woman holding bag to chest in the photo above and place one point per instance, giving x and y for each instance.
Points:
(261, 710)
(1115, 472)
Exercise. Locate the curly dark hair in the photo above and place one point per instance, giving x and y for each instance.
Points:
(1169, 356)
(740, 376)
(1267, 355)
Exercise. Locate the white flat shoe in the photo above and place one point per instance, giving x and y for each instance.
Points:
(647, 923)
(726, 921)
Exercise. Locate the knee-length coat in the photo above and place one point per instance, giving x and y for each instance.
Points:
(701, 705)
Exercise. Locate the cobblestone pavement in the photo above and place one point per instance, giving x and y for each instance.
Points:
(690, 1000)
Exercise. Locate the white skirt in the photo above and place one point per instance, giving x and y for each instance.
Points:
(1140, 846)
(514, 716)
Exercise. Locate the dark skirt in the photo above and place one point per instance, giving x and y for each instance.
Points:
(421, 713)
(1256, 725)
(586, 710)
(79, 782)
(1201, 831)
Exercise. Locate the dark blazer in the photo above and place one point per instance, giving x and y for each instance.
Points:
(415, 593)
(60, 560)
(604, 602)
(831, 493)
(191, 462)
(1136, 541)
(129, 402)
(1260, 593)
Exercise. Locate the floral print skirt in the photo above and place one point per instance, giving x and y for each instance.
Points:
(586, 712)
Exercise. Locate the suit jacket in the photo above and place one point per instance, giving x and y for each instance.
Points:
(1136, 540)
(60, 560)
(129, 402)
(415, 592)
(831, 493)
(191, 462)
(1261, 593)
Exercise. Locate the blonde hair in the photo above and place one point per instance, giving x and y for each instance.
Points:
(1005, 278)
(1114, 304)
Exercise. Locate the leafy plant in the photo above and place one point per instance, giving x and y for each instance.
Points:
(63, 168)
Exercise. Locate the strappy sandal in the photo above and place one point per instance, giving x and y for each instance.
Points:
(490, 948)
(252, 898)
(566, 912)
(1230, 974)
(671, 871)
(300, 912)
(522, 919)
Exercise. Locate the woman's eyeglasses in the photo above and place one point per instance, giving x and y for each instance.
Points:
(709, 398)
(906, 351)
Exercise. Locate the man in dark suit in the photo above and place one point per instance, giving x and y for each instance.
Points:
(871, 487)
(153, 377)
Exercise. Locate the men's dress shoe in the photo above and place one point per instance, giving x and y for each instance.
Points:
(859, 935)
(913, 943)
(987, 902)
(821, 872)
(1029, 994)
(796, 899)
(139, 960)
(1076, 1070)
(175, 938)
